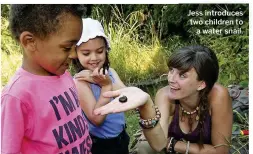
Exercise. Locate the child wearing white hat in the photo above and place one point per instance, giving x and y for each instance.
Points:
(94, 78)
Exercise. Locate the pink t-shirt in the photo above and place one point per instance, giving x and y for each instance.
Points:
(42, 115)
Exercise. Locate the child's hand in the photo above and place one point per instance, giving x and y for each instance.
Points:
(84, 75)
(101, 79)
(135, 98)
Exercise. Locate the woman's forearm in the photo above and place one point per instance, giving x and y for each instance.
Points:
(197, 149)
(155, 136)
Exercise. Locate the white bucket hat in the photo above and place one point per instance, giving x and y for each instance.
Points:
(91, 29)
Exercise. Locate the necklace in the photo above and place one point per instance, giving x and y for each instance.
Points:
(190, 113)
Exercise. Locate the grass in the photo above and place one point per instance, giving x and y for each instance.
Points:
(11, 56)
(7, 62)
(240, 143)
(132, 124)
(133, 60)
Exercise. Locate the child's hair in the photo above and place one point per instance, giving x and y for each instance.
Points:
(40, 19)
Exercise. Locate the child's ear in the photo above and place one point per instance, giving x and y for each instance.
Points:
(27, 40)
(202, 85)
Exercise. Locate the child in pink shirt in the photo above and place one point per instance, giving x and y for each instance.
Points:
(40, 112)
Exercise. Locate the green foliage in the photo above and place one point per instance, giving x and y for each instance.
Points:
(10, 50)
(232, 56)
(132, 59)
(8, 44)
(9, 66)
(5, 10)
(240, 143)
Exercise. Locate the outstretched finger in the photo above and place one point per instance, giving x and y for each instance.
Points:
(115, 93)
(108, 108)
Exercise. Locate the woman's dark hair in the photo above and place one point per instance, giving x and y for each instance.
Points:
(40, 19)
(77, 66)
(205, 62)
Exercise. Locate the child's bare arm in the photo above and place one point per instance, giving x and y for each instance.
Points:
(86, 97)
(118, 84)
(89, 103)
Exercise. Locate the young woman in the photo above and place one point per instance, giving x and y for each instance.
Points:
(201, 108)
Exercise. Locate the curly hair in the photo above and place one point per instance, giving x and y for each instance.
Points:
(205, 62)
(40, 19)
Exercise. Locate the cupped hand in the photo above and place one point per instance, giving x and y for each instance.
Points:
(96, 76)
(84, 75)
(100, 78)
(135, 98)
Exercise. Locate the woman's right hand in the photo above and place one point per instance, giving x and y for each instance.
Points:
(135, 98)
